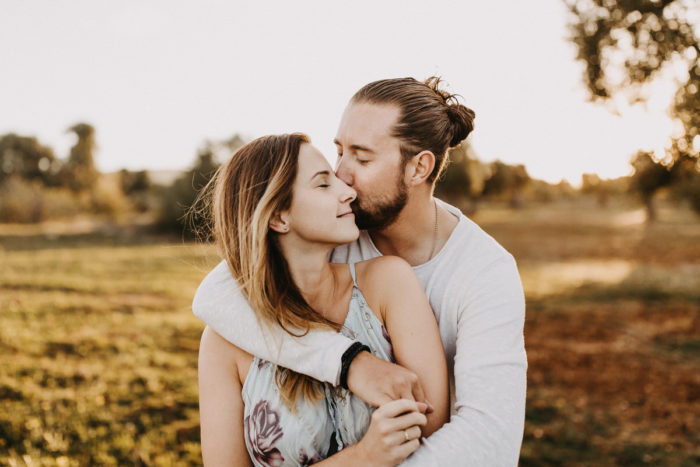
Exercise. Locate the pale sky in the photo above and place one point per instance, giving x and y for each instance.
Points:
(157, 78)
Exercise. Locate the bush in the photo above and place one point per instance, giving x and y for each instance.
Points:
(108, 199)
(25, 201)
(177, 213)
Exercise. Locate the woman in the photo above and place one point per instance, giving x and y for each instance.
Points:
(278, 211)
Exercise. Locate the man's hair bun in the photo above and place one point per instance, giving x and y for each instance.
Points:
(461, 117)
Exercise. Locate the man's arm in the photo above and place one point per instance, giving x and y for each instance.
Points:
(220, 304)
(490, 377)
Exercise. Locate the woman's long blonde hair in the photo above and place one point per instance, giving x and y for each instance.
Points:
(248, 191)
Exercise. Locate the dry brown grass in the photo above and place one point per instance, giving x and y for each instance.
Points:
(612, 334)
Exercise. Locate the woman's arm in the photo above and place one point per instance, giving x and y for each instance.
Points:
(390, 282)
(221, 305)
(221, 415)
(220, 402)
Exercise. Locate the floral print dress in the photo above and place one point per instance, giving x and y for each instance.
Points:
(275, 436)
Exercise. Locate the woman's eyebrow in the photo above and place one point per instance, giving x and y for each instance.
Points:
(320, 172)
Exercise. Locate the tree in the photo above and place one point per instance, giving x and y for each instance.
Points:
(507, 180)
(462, 180)
(137, 187)
(649, 176)
(25, 157)
(134, 182)
(79, 172)
(636, 39)
(177, 210)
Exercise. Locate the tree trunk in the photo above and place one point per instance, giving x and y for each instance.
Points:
(651, 209)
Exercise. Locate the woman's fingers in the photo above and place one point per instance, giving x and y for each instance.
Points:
(407, 435)
(398, 407)
(412, 433)
(399, 421)
(406, 449)
(394, 432)
(407, 420)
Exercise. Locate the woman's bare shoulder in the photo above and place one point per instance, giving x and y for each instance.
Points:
(382, 277)
(213, 346)
(383, 270)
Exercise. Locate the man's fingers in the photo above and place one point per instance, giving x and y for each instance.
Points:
(417, 391)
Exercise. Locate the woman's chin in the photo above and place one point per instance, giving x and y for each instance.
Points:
(347, 237)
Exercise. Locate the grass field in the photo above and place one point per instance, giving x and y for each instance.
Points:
(98, 346)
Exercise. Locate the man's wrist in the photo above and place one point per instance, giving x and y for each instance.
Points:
(347, 358)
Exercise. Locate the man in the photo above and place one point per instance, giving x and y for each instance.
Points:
(392, 142)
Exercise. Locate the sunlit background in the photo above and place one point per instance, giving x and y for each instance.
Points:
(584, 164)
(156, 78)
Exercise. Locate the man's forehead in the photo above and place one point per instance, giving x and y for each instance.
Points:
(365, 124)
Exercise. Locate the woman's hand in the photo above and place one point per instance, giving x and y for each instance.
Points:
(393, 434)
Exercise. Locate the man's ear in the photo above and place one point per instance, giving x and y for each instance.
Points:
(279, 222)
(420, 167)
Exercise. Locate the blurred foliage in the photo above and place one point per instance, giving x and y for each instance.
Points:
(137, 186)
(507, 180)
(649, 177)
(36, 186)
(466, 180)
(636, 40)
(604, 189)
(179, 210)
(79, 172)
(26, 157)
(134, 182)
(462, 180)
(26, 201)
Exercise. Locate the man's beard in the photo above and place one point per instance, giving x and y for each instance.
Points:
(382, 213)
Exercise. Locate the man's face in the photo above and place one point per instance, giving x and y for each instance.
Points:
(369, 160)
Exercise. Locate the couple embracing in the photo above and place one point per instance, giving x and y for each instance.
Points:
(355, 318)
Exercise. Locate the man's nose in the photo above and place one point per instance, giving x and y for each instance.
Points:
(349, 195)
(343, 172)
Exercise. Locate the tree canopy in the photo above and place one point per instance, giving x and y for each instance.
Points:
(624, 45)
(26, 157)
(79, 171)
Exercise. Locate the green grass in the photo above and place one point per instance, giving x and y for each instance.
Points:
(98, 353)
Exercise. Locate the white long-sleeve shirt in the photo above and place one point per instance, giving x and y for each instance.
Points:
(474, 289)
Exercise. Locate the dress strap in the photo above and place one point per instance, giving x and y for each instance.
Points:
(352, 273)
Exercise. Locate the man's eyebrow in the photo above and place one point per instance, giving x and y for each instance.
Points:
(320, 172)
(355, 147)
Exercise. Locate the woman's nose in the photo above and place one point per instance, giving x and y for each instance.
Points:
(349, 194)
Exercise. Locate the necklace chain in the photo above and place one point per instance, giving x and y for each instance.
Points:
(435, 231)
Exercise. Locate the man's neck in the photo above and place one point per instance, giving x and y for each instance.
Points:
(413, 235)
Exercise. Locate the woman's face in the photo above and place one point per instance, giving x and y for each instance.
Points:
(320, 210)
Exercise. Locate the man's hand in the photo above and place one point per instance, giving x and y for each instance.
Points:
(377, 381)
